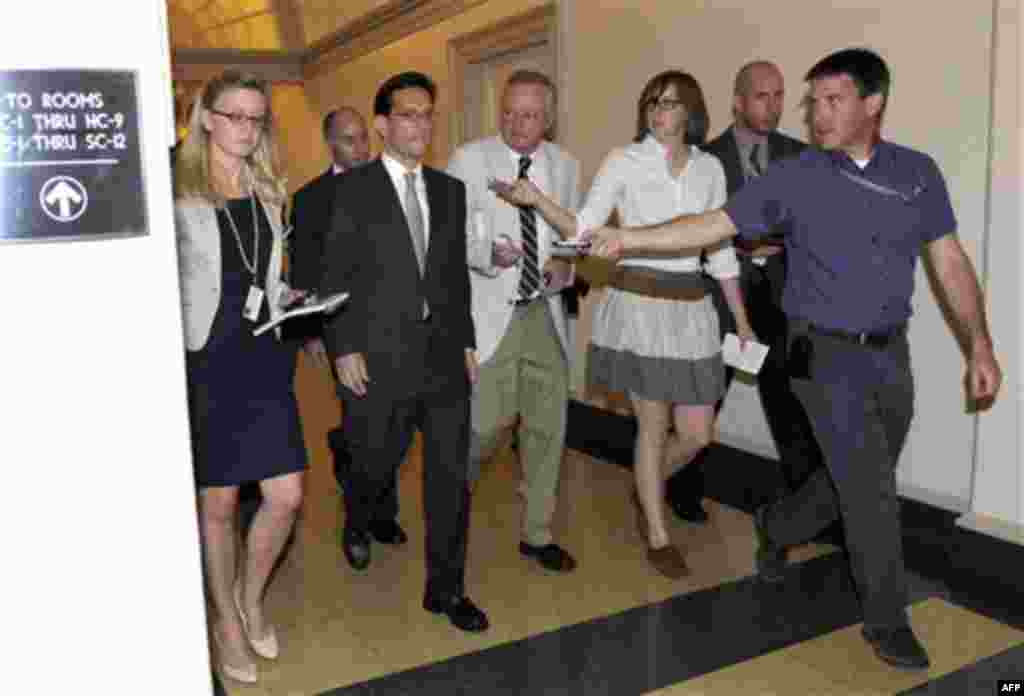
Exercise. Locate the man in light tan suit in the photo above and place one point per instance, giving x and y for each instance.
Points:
(522, 337)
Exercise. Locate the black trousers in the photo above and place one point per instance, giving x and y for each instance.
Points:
(799, 453)
(861, 402)
(386, 505)
(377, 429)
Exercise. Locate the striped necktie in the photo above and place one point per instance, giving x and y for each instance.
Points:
(529, 273)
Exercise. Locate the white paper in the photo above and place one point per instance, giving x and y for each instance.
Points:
(313, 305)
(749, 359)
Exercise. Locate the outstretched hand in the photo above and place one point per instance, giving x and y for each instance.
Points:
(519, 192)
(606, 242)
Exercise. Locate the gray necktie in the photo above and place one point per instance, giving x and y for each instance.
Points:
(414, 218)
(755, 160)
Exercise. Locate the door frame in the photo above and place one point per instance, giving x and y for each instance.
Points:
(516, 33)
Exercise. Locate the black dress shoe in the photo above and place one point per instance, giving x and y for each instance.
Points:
(388, 532)
(551, 556)
(356, 545)
(460, 611)
(688, 509)
(769, 558)
(897, 646)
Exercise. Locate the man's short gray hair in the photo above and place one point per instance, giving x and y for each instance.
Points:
(535, 77)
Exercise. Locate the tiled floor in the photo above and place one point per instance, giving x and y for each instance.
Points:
(612, 627)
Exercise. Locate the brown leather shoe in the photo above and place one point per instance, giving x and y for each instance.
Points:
(669, 561)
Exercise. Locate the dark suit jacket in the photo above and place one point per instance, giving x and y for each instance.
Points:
(311, 215)
(725, 149)
(369, 253)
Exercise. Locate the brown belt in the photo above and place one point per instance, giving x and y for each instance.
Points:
(661, 284)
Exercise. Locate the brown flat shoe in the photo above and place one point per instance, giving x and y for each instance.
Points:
(669, 561)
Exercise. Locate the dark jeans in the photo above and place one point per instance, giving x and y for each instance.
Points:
(860, 401)
(799, 454)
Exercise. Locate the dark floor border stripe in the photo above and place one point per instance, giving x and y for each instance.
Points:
(978, 679)
(647, 647)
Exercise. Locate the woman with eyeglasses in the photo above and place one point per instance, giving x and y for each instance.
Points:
(229, 195)
(655, 334)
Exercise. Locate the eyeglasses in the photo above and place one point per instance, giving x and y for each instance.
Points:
(663, 104)
(421, 116)
(238, 120)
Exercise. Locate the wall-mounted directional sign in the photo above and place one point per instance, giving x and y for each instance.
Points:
(70, 162)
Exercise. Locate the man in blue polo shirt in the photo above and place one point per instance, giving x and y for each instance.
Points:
(858, 212)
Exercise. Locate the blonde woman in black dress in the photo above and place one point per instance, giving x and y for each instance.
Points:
(245, 426)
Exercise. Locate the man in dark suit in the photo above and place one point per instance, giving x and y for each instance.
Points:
(346, 135)
(404, 345)
(746, 149)
(348, 139)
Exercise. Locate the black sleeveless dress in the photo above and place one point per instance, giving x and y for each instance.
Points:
(245, 420)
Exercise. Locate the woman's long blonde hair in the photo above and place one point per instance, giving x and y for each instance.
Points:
(192, 176)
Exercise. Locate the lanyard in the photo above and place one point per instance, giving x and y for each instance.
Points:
(251, 267)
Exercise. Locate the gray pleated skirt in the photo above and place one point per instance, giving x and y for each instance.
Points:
(657, 349)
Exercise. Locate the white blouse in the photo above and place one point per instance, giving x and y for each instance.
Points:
(636, 181)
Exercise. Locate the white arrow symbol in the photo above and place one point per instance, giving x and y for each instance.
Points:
(63, 194)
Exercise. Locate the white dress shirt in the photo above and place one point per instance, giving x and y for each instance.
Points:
(636, 181)
(397, 171)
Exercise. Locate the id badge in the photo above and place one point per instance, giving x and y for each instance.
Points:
(253, 303)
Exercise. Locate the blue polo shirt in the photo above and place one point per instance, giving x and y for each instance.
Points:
(851, 248)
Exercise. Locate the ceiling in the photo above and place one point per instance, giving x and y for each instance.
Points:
(264, 25)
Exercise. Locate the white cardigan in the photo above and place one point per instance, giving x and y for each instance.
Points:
(199, 266)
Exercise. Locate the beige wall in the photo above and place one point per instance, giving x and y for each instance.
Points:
(940, 103)
(302, 148)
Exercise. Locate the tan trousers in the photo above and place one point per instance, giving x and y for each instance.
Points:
(527, 376)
